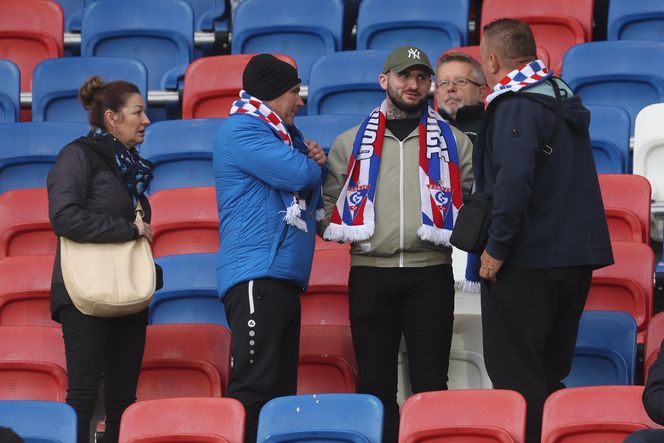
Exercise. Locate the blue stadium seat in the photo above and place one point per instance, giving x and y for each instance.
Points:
(303, 29)
(189, 294)
(605, 352)
(325, 128)
(10, 91)
(28, 151)
(627, 72)
(434, 26)
(354, 418)
(630, 20)
(609, 136)
(73, 10)
(333, 89)
(160, 33)
(56, 81)
(181, 151)
(39, 421)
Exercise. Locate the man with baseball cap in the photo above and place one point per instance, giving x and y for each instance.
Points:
(268, 181)
(394, 186)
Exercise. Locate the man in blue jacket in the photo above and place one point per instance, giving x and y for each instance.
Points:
(548, 229)
(268, 181)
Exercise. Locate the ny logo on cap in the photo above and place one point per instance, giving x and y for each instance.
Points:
(414, 53)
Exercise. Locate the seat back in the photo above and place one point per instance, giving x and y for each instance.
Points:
(160, 33)
(464, 415)
(10, 91)
(627, 72)
(55, 84)
(184, 221)
(609, 136)
(334, 90)
(73, 10)
(467, 369)
(653, 342)
(626, 200)
(431, 25)
(24, 225)
(210, 95)
(649, 148)
(181, 151)
(25, 291)
(39, 421)
(209, 420)
(641, 20)
(593, 414)
(335, 417)
(302, 29)
(190, 293)
(326, 299)
(326, 128)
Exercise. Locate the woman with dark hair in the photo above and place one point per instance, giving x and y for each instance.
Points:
(93, 188)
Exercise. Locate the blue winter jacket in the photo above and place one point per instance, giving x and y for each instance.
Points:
(252, 165)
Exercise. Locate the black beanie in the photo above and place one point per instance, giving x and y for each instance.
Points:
(266, 77)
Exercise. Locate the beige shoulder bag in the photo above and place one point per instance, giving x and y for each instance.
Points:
(109, 279)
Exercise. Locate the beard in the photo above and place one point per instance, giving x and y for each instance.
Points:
(403, 106)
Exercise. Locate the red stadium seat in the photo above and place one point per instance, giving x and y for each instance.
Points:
(467, 415)
(556, 25)
(627, 205)
(185, 360)
(24, 225)
(184, 221)
(207, 93)
(326, 300)
(327, 360)
(25, 291)
(653, 341)
(626, 285)
(594, 414)
(32, 363)
(200, 420)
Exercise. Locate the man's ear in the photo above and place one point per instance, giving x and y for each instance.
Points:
(484, 91)
(382, 80)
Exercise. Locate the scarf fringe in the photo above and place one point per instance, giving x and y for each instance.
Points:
(293, 217)
(440, 237)
(472, 287)
(347, 233)
(320, 214)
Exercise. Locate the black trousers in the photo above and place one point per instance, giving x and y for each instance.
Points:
(530, 320)
(646, 436)
(386, 303)
(112, 346)
(264, 316)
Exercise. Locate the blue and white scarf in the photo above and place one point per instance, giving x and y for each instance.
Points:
(527, 75)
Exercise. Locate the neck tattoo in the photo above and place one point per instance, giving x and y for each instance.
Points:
(394, 113)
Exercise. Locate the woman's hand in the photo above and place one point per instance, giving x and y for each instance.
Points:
(144, 229)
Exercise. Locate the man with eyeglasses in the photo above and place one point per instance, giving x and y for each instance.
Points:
(460, 91)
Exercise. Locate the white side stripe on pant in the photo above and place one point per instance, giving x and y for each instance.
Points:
(251, 297)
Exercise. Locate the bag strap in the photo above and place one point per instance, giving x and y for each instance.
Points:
(545, 151)
(139, 209)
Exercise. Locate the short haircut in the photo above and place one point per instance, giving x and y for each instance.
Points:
(512, 39)
(458, 56)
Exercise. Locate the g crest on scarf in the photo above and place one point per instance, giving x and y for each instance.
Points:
(527, 75)
(256, 108)
(353, 217)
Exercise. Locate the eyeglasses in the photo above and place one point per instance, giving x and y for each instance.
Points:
(461, 82)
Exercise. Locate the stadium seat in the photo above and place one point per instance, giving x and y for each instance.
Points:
(626, 285)
(28, 151)
(39, 421)
(325, 128)
(627, 72)
(185, 360)
(432, 25)
(610, 128)
(626, 200)
(210, 95)
(557, 26)
(189, 294)
(160, 33)
(55, 84)
(467, 369)
(605, 352)
(653, 341)
(649, 148)
(30, 31)
(326, 300)
(640, 20)
(10, 91)
(346, 91)
(73, 10)
(594, 414)
(181, 151)
(24, 225)
(202, 420)
(32, 363)
(485, 415)
(327, 360)
(324, 417)
(25, 291)
(184, 221)
(300, 28)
